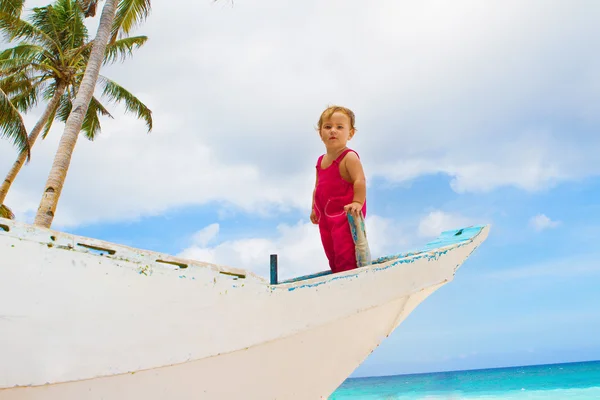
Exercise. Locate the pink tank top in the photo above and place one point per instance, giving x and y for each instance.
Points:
(333, 192)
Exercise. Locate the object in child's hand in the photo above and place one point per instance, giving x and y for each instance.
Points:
(361, 245)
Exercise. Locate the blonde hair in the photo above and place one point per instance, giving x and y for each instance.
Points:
(329, 111)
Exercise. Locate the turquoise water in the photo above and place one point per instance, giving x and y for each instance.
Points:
(573, 381)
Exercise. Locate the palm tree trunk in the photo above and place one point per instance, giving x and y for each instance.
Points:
(33, 135)
(62, 160)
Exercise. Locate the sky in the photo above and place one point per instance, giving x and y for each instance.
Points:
(467, 112)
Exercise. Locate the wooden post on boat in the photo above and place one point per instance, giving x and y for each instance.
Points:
(273, 269)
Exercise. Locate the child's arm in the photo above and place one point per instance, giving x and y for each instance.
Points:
(313, 215)
(357, 178)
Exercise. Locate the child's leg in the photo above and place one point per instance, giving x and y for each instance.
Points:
(343, 244)
(327, 241)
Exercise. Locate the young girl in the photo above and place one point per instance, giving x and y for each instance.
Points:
(340, 189)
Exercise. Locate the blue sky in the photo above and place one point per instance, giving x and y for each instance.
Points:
(466, 113)
(527, 296)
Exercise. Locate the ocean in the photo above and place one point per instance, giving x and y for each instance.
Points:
(572, 381)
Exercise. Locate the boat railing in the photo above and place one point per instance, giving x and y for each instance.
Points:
(445, 239)
(100, 248)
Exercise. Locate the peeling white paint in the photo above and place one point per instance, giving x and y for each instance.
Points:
(78, 325)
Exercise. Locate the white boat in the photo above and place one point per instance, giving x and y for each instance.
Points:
(87, 319)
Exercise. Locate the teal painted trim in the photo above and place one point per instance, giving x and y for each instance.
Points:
(446, 238)
(456, 238)
(305, 277)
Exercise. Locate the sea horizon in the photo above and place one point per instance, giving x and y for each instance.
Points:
(477, 369)
(573, 380)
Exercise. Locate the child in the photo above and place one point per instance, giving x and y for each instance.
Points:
(340, 189)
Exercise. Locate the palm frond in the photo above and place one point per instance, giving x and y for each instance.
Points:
(14, 28)
(12, 7)
(91, 123)
(73, 30)
(25, 52)
(78, 56)
(25, 101)
(65, 106)
(129, 14)
(123, 48)
(27, 98)
(15, 83)
(10, 67)
(25, 56)
(11, 124)
(22, 90)
(118, 94)
(46, 20)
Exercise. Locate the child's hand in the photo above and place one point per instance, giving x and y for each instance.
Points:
(353, 208)
(313, 217)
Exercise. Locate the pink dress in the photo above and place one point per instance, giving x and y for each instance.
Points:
(332, 194)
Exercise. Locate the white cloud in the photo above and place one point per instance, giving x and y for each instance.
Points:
(204, 236)
(126, 173)
(298, 247)
(541, 222)
(438, 221)
(236, 91)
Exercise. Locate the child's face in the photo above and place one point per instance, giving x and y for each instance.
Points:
(335, 131)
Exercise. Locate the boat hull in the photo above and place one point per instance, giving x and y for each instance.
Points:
(78, 325)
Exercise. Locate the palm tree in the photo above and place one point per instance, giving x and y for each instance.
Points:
(117, 16)
(51, 62)
(11, 122)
